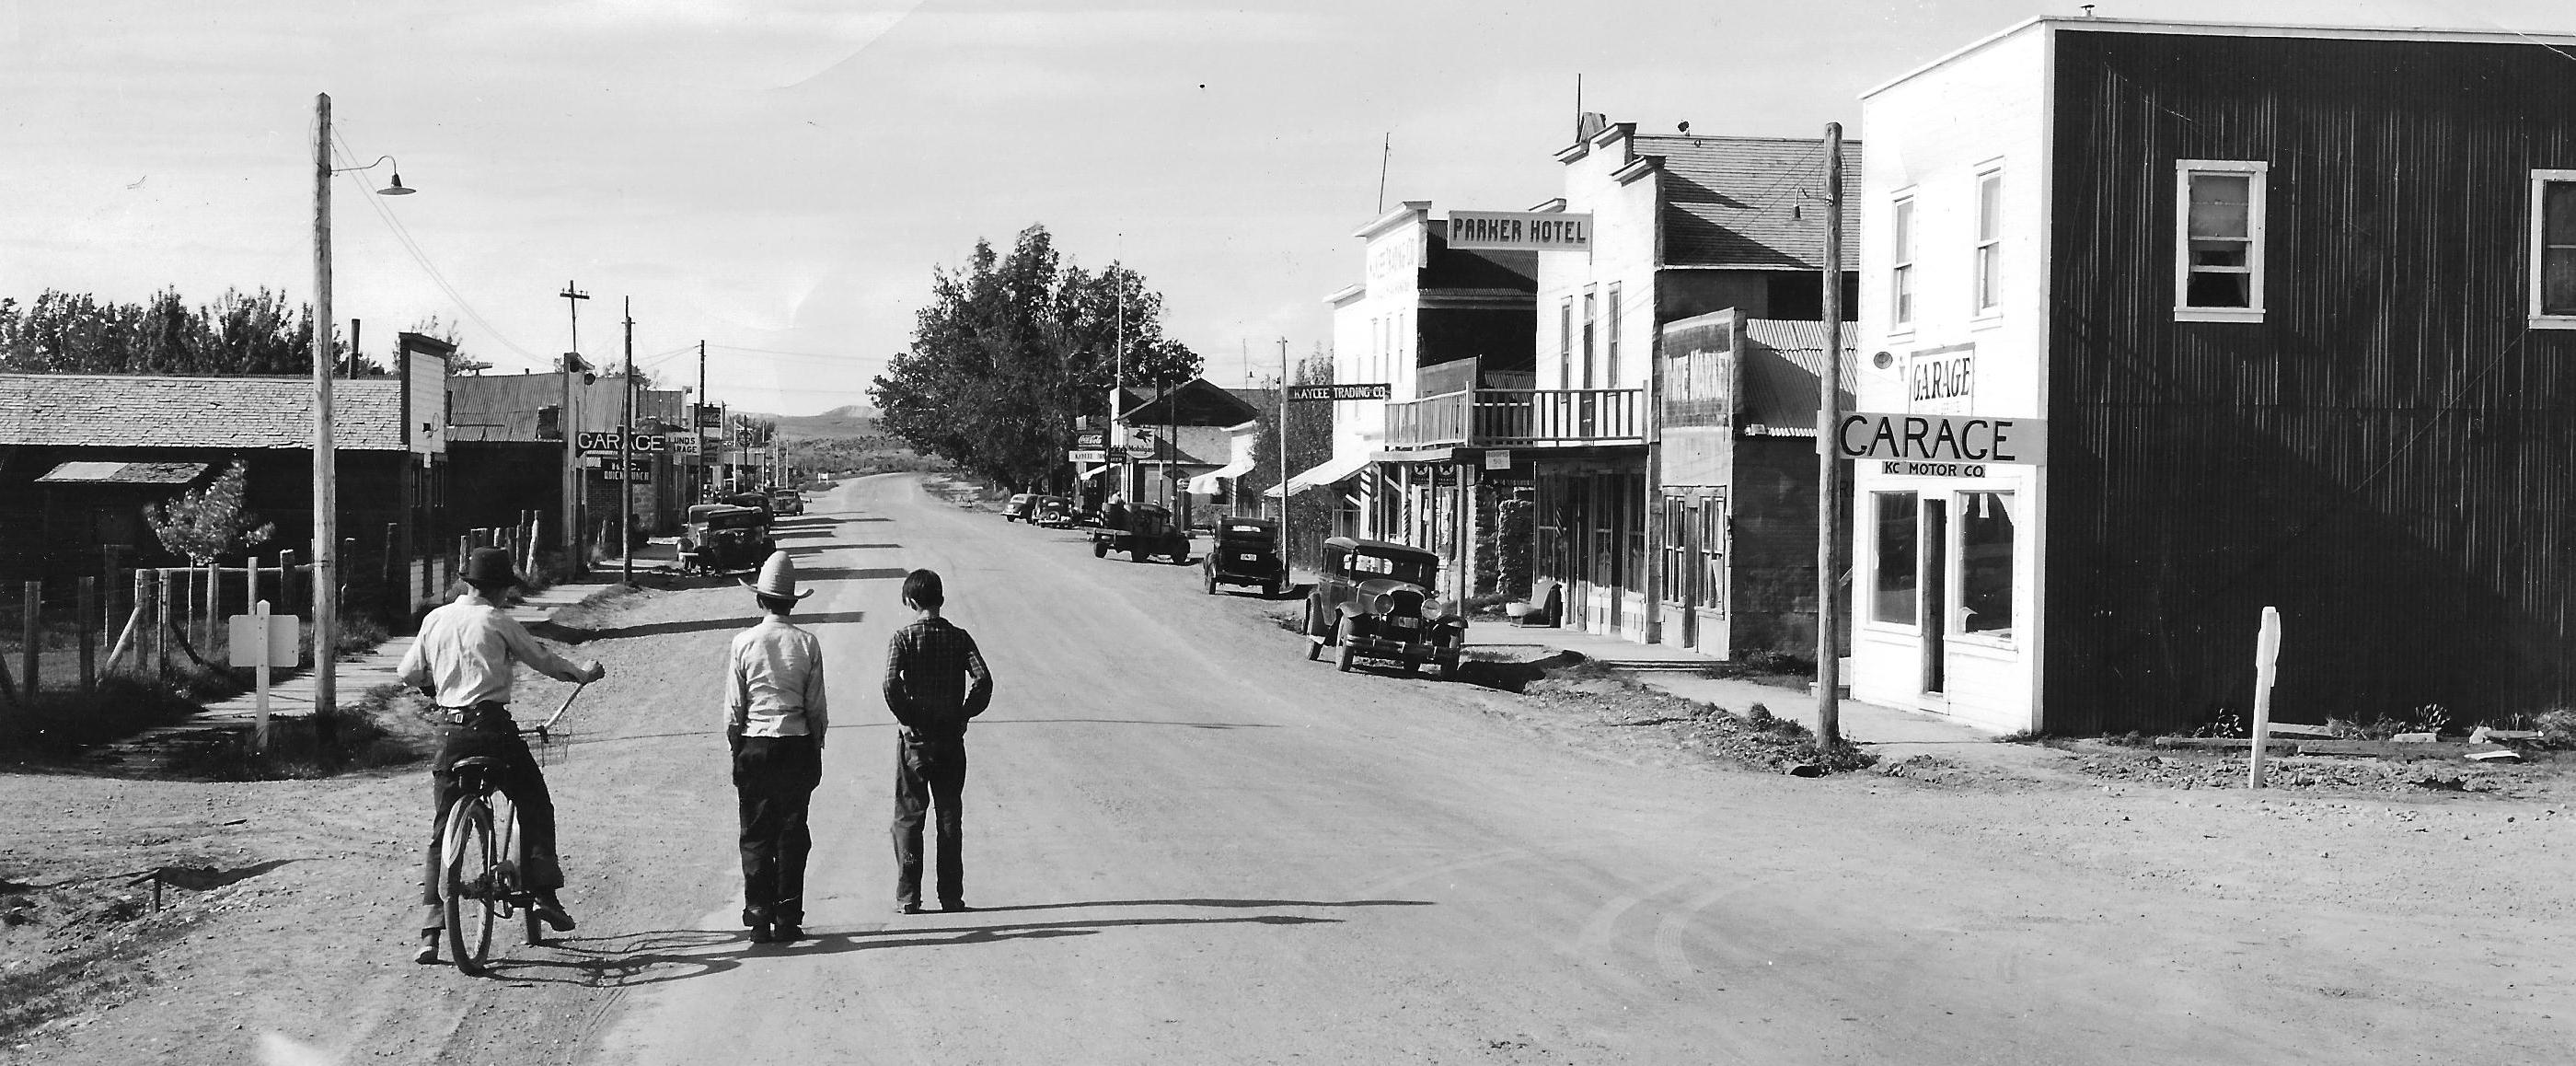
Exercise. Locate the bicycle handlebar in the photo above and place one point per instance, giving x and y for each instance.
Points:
(567, 705)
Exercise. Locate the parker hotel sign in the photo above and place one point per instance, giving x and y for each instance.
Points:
(1520, 231)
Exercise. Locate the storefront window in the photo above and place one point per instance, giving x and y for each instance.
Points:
(1896, 559)
(1676, 550)
(1985, 563)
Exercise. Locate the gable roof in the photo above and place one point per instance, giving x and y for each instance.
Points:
(1195, 403)
(1749, 201)
(120, 411)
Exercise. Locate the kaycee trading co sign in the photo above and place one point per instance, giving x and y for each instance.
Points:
(1939, 445)
(1337, 392)
(1520, 231)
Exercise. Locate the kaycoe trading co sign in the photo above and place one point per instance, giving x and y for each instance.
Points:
(1941, 445)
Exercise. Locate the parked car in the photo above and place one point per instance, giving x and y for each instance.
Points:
(724, 539)
(758, 501)
(1018, 509)
(787, 501)
(1149, 532)
(1246, 553)
(1370, 600)
(1053, 512)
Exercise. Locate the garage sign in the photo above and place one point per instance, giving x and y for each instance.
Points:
(1941, 445)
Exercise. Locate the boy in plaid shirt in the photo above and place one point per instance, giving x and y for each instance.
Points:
(934, 681)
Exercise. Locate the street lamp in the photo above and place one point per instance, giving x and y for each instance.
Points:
(326, 532)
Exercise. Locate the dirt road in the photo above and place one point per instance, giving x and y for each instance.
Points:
(1188, 844)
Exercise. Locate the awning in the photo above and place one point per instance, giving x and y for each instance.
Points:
(96, 473)
(1328, 472)
(1247, 439)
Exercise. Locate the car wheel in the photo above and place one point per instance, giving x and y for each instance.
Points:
(1099, 549)
(1137, 555)
(1449, 668)
(1344, 662)
(1211, 582)
(1314, 640)
(1270, 589)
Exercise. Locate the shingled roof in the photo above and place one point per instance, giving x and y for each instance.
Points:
(1749, 201)
(115, 411)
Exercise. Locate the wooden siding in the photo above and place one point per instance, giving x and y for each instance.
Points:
(2386, 457)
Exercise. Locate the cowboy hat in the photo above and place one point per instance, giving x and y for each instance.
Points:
(489, 566)
(778, 578)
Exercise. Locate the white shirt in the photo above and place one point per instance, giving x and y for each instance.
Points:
(465, 648)
(774, 683)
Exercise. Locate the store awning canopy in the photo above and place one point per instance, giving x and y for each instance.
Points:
(98, 473)
(1328, 472)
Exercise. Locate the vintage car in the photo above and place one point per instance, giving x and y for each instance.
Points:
(1149, 531)
(1246, 553)
(724, 539)
(758, 501)
(1018, 509)
(786, 501)
(1370, 601)
(1053, 512)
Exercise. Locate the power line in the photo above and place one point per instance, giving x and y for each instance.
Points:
(412, 246)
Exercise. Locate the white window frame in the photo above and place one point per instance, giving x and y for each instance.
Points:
(2255, 196)
(1986, 264)
(1904, 221)
(2539, 180)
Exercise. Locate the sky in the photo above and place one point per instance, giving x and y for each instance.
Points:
(780, 178)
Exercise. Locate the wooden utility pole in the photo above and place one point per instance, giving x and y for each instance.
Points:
(696, 434)
(1285, 543)
(626, 455)
(571, 427)
(1829, 463)
(326, 497)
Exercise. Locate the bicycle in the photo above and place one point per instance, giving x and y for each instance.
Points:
(481, 855)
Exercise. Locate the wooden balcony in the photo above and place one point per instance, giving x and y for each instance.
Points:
(1517, 418)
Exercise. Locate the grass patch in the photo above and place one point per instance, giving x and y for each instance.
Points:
(364, 735)
(57, 724)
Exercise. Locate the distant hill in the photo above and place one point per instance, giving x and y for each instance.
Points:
(855, 420)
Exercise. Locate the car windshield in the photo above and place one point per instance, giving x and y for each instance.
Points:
(1414, 570)
(733, 521)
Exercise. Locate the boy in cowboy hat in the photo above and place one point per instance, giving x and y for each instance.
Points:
(775, 718)
(463, 659)
(934, 681)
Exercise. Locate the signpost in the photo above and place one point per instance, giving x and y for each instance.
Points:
(2267, 653)
(1312, 393)
(261, 640)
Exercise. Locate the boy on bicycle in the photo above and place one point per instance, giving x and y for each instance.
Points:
(463, 658)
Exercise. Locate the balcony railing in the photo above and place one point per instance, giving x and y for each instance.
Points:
(1517, 418)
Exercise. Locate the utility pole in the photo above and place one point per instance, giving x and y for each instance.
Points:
(1118, 390)
(695, 433)
(570, 526)
(326, 496)
(1829, 461)
(626, 455)
(1284, 540)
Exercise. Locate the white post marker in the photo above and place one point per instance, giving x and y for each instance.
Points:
(2267, 653)
(261, 640)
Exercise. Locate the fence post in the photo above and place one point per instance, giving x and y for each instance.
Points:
(161, 630)
(32, 626)
(87, 614)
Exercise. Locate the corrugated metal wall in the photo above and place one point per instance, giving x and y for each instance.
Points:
(2388, 457)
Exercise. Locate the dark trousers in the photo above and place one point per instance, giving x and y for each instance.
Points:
(929, 775)
(493, 735)
(774, 779)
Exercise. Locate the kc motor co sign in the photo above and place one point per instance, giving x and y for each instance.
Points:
(1941, 445)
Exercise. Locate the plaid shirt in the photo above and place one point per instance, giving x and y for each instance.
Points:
(935, 678)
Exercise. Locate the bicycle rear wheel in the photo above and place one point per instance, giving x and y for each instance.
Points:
(468, 883)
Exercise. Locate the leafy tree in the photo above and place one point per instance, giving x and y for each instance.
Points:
(1014, 351)
(208, 523)
(238, 334)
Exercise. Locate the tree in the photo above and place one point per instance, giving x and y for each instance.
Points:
(1014, 351)
(238, 334)
(207, 523)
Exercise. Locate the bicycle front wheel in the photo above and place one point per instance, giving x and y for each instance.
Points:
(468, 884)
(514, 846)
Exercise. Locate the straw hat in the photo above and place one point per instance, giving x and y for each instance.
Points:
(778, 578)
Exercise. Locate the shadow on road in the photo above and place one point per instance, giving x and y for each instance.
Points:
(1124, 721)
(1512, 676)
(844, 573)
(577, 635)
(635, 959)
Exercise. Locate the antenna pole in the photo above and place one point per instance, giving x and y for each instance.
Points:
(1385, 154)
